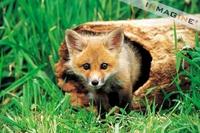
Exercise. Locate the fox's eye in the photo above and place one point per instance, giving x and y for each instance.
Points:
(86, 66)
(104, 66)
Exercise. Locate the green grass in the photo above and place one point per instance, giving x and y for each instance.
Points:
(30, 101)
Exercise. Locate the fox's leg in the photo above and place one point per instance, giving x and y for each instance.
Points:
(125, 97)
(102, 103)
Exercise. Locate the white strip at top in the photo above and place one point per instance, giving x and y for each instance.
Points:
(166, 11)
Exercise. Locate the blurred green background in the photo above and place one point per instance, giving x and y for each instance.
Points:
(30, 101)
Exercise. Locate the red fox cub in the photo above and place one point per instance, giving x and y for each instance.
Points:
(108, 66)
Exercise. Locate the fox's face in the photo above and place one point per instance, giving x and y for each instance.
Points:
(94, 57)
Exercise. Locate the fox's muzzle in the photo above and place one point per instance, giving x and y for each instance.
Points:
(95, 81)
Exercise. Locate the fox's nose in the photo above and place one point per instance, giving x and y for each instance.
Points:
(95, 82)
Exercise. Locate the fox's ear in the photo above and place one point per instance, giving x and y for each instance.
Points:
(74, 41)
(115, 39)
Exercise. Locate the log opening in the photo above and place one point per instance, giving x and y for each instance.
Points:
(145, 55)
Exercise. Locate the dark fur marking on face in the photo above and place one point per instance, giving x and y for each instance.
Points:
(71, 76)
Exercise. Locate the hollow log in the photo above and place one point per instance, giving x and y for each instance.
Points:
(155, 40)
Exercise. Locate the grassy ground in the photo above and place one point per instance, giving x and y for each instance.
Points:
(30, 101)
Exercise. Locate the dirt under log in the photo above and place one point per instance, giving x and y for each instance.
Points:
(154, 39)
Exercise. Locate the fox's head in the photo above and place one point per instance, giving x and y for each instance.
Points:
(95, 58)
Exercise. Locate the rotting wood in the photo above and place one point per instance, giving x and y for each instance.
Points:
(155, 36)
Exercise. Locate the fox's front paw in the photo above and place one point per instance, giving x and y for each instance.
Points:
(102, 103)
